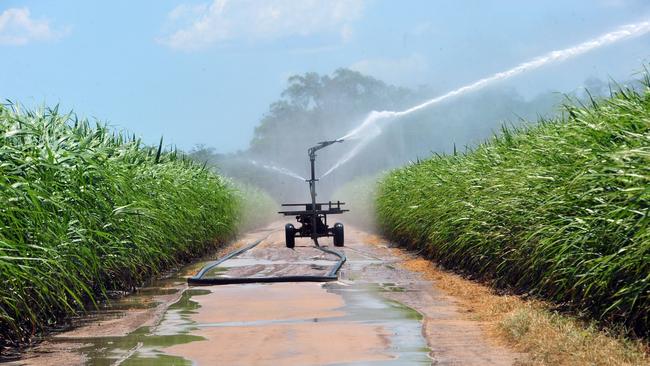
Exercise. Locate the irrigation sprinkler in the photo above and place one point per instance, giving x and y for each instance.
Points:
(313, 219)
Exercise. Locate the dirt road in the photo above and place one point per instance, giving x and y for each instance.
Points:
(378, 313)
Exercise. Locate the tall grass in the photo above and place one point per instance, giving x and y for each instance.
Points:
(559, 210)
(258, 207)
(84, 210)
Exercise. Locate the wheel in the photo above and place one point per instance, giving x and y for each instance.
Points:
(290, 235)
(338, 234)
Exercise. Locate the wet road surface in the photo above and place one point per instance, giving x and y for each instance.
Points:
(376, 314)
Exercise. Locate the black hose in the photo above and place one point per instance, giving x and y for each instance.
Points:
(198, 279)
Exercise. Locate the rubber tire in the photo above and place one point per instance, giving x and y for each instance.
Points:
(290, 235)
(338, 234)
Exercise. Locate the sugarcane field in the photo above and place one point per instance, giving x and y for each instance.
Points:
(325, 182)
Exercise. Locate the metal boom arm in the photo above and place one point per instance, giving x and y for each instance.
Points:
(312, 183)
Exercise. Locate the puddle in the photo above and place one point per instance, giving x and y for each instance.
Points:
(143, 346)
(365, 305)
(390, 287)
(391, 330)
(157, 291)
(338, 323)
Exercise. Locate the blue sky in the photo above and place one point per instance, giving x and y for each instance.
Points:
(204, 72)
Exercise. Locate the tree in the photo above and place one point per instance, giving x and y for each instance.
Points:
(315, 107)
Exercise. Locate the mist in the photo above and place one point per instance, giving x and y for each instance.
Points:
(385, 126)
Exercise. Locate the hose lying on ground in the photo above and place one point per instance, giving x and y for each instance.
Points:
(199, 280)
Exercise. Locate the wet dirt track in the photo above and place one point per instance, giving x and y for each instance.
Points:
(376, 314)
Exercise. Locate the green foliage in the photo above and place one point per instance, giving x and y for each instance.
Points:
(85, 211)
(258, 208)
(559, 210)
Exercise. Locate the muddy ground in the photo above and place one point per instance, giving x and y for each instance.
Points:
(378, 313)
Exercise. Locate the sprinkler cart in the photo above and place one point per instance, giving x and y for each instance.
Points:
(313, 219)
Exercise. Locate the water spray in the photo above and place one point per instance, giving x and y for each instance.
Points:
(370, 128)
(277, 169)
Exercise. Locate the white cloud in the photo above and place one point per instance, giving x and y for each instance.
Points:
(17, 27)
(198, 27)
(187, 11)
(401, 71)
